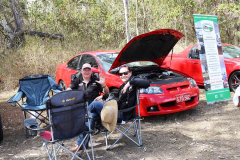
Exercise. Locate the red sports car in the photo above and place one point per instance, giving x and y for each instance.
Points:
(169, 91)
(188, 61)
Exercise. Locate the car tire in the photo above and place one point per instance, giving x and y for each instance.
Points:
(63, 85)
(234, 80)
(1, 130)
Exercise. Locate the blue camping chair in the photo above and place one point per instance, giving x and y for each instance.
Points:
(36, 89)
(69, 117)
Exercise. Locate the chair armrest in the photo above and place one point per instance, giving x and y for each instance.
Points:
(17, 97)
(32, 124)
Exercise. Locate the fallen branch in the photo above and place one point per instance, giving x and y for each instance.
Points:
(41, 34)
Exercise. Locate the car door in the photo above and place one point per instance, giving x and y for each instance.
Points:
(193, 65)
(72, 68)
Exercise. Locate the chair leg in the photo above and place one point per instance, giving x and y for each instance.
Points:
(27, 133)
(91, 146)
(106, 139)
(136, 124)
(140, 132)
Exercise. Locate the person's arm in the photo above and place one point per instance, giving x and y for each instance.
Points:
(103, 84)
(139, 82)
(105, 89)
(73, 85)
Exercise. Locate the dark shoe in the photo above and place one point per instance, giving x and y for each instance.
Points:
(76, 147)
(102, 128)
(96, 131)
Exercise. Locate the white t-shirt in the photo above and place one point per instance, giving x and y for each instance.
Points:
(236, 95)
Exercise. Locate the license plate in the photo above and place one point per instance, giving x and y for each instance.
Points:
(182, 97)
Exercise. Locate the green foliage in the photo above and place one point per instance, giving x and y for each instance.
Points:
(100, 24)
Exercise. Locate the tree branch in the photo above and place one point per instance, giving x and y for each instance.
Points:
(7, 19)
(6, 36)
(7, 29)
(40, 34)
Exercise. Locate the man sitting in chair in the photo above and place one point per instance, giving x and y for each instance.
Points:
(89, 83)
(126, 97)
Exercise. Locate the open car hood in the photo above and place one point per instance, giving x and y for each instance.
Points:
(153, 46)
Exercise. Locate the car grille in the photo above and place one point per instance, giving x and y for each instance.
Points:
(177, 88)
(168, 104)
(190, 100)
(184, 87)
(172, 89)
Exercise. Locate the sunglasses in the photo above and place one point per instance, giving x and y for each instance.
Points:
(125, 73)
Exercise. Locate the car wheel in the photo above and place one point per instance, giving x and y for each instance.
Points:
(63, 85)
(114, 91)
(234, 80)
(1, 130)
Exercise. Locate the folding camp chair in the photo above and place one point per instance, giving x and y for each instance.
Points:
(68, 113)
(129, 128)
(36, 89)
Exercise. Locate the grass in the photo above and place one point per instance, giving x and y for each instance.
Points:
(40, 56)
(37, 57)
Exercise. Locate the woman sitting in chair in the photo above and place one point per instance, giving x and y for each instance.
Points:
(126, 97)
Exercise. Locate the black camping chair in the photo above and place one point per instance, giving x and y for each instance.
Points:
(36, 89)
(130, 128)
(68, 113)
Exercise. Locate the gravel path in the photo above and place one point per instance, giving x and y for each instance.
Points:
(206, 132)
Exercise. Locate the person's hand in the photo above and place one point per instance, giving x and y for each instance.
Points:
(101, 80)
(125, 87)
(99, 98)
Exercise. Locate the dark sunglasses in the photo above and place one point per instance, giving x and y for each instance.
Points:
(125, 73)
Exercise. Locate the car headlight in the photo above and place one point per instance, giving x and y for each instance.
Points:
(151, 90)
(193, 83)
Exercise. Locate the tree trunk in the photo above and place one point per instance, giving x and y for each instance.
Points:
(144, 18)
(137, 17)
(126, 19)
(185, 32)
(215, 6)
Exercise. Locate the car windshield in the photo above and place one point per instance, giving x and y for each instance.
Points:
(231, 51)
(106, 61)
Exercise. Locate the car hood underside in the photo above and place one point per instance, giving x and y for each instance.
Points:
(153, 46)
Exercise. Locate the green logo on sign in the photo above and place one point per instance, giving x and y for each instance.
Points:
(207, 27)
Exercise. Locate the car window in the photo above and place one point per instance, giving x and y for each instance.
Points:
(106, 61)
(73, 63)
(194, 53)
(89, 59)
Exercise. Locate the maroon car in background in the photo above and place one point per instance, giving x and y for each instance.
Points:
(169, 91)
(188, 62)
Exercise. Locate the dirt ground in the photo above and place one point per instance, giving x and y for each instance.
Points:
(206, 132)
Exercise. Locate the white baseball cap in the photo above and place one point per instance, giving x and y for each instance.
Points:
(86, 65)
